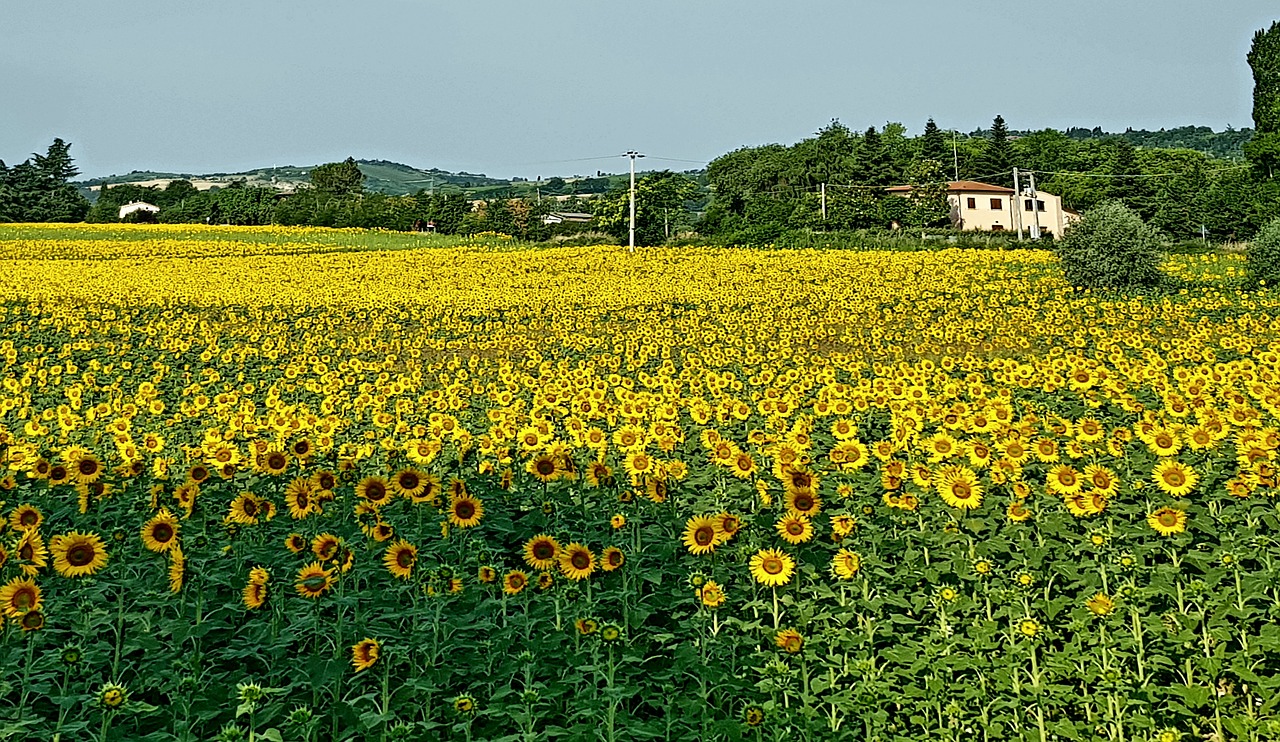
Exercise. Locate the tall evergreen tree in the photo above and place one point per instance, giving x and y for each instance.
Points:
(933, 145)
(1264, 58)
(998, 157)
(875, 164)
(1124, 186)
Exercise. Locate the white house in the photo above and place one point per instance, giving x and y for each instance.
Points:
(573, 217)
(992, 208)
(134, 206)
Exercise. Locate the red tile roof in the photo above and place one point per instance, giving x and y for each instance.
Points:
(961, 186)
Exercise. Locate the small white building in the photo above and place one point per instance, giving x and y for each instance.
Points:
(134, 206)
(572, 217)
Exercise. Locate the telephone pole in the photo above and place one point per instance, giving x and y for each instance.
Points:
(631, 242)
(824, 202)
(1035, 205)
(1015, 202)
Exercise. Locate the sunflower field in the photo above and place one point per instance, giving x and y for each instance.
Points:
(303, 484)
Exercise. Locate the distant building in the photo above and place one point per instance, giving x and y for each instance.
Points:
(571, 217)
(135, 206)
(990, 208)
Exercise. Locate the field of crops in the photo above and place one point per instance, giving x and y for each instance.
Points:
(300, 484)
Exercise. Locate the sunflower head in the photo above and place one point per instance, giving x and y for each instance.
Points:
(577, 562)
(364, 654)
(514, 582)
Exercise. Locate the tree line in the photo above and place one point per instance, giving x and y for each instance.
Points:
(833, 181)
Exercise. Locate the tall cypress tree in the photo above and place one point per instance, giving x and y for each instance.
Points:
(933, 145)
(1264, 58)
(875, 165)
(998, 157)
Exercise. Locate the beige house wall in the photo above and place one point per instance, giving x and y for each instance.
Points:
(992, 211)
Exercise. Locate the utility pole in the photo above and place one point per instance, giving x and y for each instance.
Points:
(1015, 202)
(631, 242)
(824, 202)
(1035, 206)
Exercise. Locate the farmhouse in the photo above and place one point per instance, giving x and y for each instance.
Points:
(134, 206)
(991, 208)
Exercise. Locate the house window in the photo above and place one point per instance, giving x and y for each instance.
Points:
(973, 203)
(997, 228)
(997, 204)
(1039, 205)
(1026, 205)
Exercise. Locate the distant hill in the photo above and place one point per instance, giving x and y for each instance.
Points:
(381, 176)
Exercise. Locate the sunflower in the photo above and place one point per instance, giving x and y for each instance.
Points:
(177, 568)
(246, 509)
(959, 487)
(198, 474)
(845, 564)
(254, 595)
(59, 474)
(1018, 511)
(1063, 479)
(789, 640)
(753, 716)
(1029, 627)
(313, 580)
(409, 483)
(19, 596)
(464, 705)
(160, 534)
(577, 562)
(599, 474)
(1100, 604)
(298, 496)
(274, 463)
(586, 626)
(32, 621)
(544, 467)
(803, 502)
(31, 552)
(1103, 479)
(465, 511)
(701, 535)
(1174, 477)
(541, 552)
(514, 581)
(486, 574)
(25, 517)
(794, 529)
(1168, 521)
(743, 466)
(610, 633)
(77, 554)
(295, 543)
(186, 495)
(843, 525)
(325, 546)
(86, 469)
(728, 525)
(364, 654)
(612, 558)
(772, 567)
(639, 465)
(400, 559)
(711, 594)
(374, 490)
(618, 521)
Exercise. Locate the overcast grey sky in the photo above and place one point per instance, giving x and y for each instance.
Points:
(531, 88)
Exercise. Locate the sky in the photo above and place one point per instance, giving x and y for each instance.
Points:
(563, 87)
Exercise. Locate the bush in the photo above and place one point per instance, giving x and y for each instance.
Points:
(1111, 248)
(1264, 255)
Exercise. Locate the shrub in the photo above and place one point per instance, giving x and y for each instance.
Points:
(1264, 255)
(1111, 248)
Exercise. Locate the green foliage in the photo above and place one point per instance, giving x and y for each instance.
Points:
(338, 179)
(1111, 248)
(39, 190)
(1264, 255)
(999, 157)
(1264, 59)
(660, 199)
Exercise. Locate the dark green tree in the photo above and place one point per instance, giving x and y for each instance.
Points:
(660, 202)
(933, 145)
(1111, 248)
(39, 190)
(338, 179)
(1126, 183)
(1264, 59)
(998, 156)
(874, 162)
